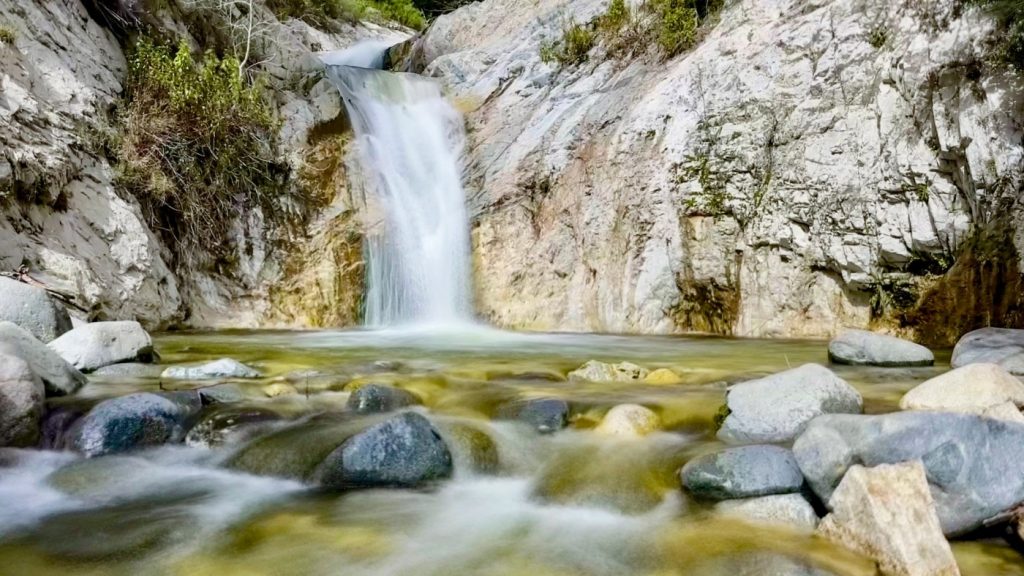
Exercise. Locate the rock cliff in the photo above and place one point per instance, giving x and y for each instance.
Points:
(808, 165)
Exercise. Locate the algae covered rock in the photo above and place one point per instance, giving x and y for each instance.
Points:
(628, 421)
(792, 510)
(594, 371)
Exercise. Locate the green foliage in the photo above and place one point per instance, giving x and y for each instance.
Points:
(1009, 16)
(677, 26)
(323, 13)
(615, 17)
(572, 48)
(197, 145)
(878, 36)
(7, 35)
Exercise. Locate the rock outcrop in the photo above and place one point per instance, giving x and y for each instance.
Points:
(838, 134)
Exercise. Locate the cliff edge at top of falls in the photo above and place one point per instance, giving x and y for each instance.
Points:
(807, 165)
(64, 214)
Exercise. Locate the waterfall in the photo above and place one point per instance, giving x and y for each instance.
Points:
(410, 143)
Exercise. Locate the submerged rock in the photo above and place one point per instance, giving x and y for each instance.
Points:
(21, 402)
(887, 513)
(371, 398)
(223, 368)
(221, 394)
(791, 510)
(404, 451)
(778, 407)
(1002, 346)
(32, 309)
(742, 472)
(662, 376)
(974, 389)
(279, 389)
(872, 349)
(128, 370)
(974, 465)
(594, 371)
(545, 415)
(129, 422)
(628, 421)
(59, 377)
(230, 424)
(100, 344)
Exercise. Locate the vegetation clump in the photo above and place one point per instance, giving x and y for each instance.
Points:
(1009, 16)
(323, 13)
(197, 145)
(671, 25)
(7, 35)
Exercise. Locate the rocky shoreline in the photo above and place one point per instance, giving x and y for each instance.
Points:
(799, 451)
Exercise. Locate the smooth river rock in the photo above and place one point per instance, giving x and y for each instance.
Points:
(223, 368)
(974, 465)
(778, 407)
(792, 510)
(594, 371)
(545, 415)
(371, 398)
(31, 308)
(975, 389)
(1003, 346)
(59, 377)
(21, 402)
(130, 422)
(404, 451)
(742, 472)
(628, 421)
(862, 347)
(887, 513)
(100, 344)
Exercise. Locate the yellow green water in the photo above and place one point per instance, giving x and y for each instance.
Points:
(572, 503)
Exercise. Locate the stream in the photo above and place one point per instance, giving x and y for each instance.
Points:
(520, 502)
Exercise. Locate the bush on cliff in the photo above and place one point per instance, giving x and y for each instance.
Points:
(197, 146)
(1009, 16)
(324, 13)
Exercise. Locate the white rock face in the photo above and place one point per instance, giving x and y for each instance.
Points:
(887, 513)
(583, 219)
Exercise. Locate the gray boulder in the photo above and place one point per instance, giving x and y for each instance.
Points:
(791, 510)
(778, 407)
(862, 347)
(21, 402)
(231, 424)
(32, 308)
(403, 451)
(131, 422)
(129, 370)
(223, 368)
(101, 344)
(545, 415)
(372, 398)
(1002, 346)
(59, 377)
(742, 472)
(974, 465)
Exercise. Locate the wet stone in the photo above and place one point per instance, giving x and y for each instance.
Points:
(545, 415)
(742, 472)
(373, 398)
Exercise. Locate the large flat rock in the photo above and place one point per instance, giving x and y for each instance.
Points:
(1003, 346)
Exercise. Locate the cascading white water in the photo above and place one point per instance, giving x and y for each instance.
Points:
(410, 142)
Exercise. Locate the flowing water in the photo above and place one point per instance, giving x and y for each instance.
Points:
(410, 143)
(520, 503)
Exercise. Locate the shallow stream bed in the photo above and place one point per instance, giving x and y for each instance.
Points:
(568, 503)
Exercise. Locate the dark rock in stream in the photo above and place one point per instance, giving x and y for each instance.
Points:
(134, 421)
(404, 451)
(232, 423)
(742, 472)
(546, 415)
(974, 465)
(371, 398)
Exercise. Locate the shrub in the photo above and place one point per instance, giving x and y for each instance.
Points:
(677, 26)
(401, 11)
(7, 35)
(1009, 16)
(197, 146)
(323, 13)
(572, 48)
(615, 17)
